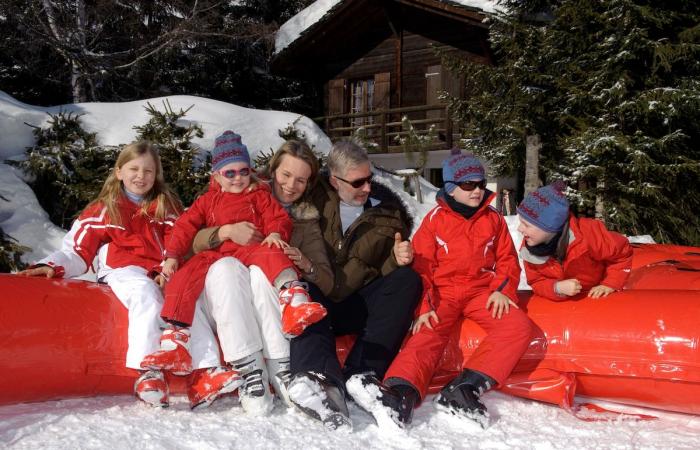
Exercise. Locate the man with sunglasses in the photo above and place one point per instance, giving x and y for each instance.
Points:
(365, 227)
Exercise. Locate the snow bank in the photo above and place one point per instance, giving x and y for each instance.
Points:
(114, 122)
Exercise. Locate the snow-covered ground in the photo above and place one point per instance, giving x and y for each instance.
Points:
(122, 423)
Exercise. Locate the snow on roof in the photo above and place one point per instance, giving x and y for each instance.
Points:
(292, 29)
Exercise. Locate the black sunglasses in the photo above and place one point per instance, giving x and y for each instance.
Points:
(359, 182)
(469, 185)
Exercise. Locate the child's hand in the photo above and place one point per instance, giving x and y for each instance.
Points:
(600, 291)
(568, 287)
(41, 271)
(501, 303)
(424, 319)
(169, 268)
(276, 240)
(160, 281)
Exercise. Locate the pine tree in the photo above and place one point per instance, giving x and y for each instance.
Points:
(67, 167)
(613, 90)
(184, 169)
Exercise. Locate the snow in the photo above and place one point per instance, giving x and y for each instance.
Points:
(120, 422)
(292, 29)
(114, 122)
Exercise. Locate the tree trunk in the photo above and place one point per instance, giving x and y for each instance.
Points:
(533, 144)
(599, 203)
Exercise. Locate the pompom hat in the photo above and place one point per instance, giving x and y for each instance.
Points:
(461, 167)
(228, 149)
(546, 208)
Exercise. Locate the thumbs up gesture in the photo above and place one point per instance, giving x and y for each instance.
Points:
(403, 252)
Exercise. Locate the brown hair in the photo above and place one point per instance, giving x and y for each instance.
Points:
(297, 149)
(167, 202)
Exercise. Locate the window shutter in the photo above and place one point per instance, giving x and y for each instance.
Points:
(336, 96)
(382, 91)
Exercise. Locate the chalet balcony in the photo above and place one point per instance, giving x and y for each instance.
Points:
(381, 130)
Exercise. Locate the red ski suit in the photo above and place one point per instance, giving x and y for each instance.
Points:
(461, 263)
(217, 208)
(138, 241)
(594, 256)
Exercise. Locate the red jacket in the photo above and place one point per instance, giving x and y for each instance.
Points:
(138, 241)
(451, 250)
(594, 256)
(217, 208)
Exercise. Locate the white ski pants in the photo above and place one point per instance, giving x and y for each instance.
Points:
(242, 306)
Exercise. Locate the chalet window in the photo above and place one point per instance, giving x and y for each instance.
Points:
(362, 100)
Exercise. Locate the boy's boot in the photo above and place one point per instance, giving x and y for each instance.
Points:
(314, 395)
(206, 385)
(174, 354)
(393, 403)
(298, 311)
(254, 393)
(152, 388)
(280, 376)
(461, 396)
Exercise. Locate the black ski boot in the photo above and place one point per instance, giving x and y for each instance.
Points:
(314, 395)
(461, 396)
(381, 401)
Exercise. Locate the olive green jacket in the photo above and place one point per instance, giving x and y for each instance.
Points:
(365, 252)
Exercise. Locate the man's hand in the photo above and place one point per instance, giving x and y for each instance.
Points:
(600, 291)
(424, 319)
(41, 271)
(403, 251)
(568, 287)
(242, 233)
(500, 303)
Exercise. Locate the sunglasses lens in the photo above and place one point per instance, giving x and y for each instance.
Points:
(471, 185)
(231, 174)
(361, 182)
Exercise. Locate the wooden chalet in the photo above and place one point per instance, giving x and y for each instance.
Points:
(378, 61)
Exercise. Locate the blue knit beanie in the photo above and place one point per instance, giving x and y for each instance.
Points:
(228, 149)
(461, 167)
(547, 207)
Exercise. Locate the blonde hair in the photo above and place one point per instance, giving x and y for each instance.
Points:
(166, 201)
(300, 150)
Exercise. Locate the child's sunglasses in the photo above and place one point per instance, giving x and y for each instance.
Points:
(232, 173)
(357, 183)
(469, 185)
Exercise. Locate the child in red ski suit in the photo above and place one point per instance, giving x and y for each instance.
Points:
(231, 198)
(567, 258)
(126, 227)
(469, 268)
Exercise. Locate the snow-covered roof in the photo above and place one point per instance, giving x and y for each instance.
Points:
(292, 29)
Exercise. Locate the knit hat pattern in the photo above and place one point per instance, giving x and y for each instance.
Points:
(228, 149)
(461, 167)
(547, 208)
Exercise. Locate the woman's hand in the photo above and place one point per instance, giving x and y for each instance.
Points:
(41, 271)
(276, 240)
(242, 233)
(600, 291)
(500, 303)
(424, 319)
(568, 287)
(298, 258)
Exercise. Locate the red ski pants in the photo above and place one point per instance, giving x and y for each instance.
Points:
(184, 287)
(506, 340)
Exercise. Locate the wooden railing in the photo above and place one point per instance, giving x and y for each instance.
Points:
(382, 127)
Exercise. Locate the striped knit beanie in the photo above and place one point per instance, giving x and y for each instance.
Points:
(547, 207)
(228, 149)
(461, 167)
